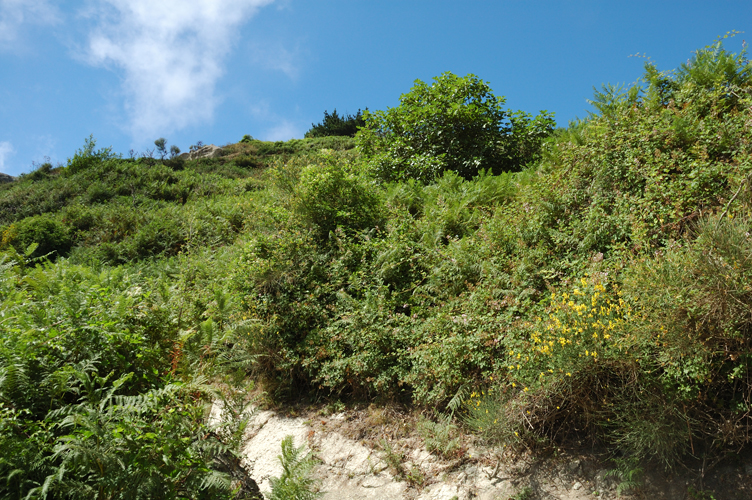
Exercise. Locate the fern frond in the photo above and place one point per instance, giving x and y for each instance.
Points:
(459, 397)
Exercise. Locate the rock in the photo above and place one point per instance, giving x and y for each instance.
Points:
(336, 450)
(574, 466)
(210, 151)
(440, 491)
(261, 451)
(748, 469)
(349, 469)
(6, 178)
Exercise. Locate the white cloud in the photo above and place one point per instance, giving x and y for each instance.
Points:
(282, 132)
(277, 58)
(15, 13)
(6, 149)
(171, 55)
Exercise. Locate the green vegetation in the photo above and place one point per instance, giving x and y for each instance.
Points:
(335, 125)
(454, 124)
(296, 482)
(535, 283)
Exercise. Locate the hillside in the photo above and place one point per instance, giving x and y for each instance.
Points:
(525, 285)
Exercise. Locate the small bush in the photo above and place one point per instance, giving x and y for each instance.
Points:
(40, 173)
(158, 237)
(52, 236)
(248, 162)
(328, 197)
(87, 157)
(98, 192)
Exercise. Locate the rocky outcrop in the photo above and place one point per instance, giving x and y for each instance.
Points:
(210, 151)
(6, 178)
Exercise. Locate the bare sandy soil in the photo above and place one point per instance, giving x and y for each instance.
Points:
(376, 453)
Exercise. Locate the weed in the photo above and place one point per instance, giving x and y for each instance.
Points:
(695, 494)
(393, 459)
(525, 493)
(440, 437)
(415, 477)
(628, 472)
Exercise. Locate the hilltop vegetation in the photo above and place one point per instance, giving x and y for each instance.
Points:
(534, 283)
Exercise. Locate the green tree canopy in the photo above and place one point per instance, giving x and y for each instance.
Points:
(334, 124)
(456, 123)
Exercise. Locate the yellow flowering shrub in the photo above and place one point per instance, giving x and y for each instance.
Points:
(583, 326)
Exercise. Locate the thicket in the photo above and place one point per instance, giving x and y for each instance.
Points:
(593, 292)
(598, 283)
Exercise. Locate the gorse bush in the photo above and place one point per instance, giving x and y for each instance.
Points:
(580, 331)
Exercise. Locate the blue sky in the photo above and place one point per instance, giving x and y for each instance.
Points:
(130, 71)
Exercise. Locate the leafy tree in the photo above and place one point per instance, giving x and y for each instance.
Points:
(161, 145)
(456, 123)
(345, 125)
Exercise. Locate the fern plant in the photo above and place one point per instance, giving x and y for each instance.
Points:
(296, 481)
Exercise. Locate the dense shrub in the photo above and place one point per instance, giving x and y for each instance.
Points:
(603, 288)
(329, 197)
(51, 235)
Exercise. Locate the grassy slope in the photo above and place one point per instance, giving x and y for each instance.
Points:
(607, 289)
